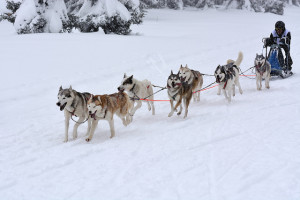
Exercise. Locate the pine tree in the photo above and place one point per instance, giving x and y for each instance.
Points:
(113, 16)
(39, 16)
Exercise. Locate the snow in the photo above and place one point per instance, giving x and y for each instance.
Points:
(3, 8)
(248, 149)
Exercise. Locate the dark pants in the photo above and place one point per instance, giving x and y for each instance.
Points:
(288, 60)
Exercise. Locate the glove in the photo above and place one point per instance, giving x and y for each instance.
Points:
(265, 43)
(283, 40)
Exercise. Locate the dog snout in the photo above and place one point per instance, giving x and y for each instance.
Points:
(120, 89)
(58, 103)
(173, 84)
(90, 112)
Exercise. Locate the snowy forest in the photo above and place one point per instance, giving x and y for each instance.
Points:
(112, 16)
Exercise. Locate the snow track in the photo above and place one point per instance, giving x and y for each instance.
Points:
(248, 149)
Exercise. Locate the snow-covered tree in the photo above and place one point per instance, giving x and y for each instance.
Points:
(273, 6)
(39, 16)
(11, 7)
(174, 4)
(113, 16)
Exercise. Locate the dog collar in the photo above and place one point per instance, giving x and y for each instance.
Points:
(131, 90)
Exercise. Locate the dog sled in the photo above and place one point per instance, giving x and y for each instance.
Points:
(276, 59)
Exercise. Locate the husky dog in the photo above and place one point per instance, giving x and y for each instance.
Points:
(138, 89)
(178, 91)
(73, 103)
(193, 79)
(262, 70)
(228, 76)
(103, 107)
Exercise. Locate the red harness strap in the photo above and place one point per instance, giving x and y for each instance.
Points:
(225, 85)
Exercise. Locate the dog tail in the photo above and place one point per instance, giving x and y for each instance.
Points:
(239, 59)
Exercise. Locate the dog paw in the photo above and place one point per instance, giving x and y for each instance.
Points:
(268, 87)
(87, 139)
(65, 141)
(179, 113)
(170, 114)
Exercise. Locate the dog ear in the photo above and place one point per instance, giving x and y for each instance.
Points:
(125, 75)
(181, 66)
(186, 66)
(131, 77)
(171, 72)
(70, 88)
(256, 54)
(91, 97)
(60, 88)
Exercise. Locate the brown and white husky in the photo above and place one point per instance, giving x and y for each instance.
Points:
(103, 107)
(193, 79)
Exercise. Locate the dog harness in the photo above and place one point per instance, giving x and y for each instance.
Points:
(229, 72)
(174, 96)
(132, 91)
(261, 68)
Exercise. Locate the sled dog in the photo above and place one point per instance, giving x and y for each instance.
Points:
(138, 90)
(262, 70)
(73, 103)
(228, 76)
(103, 107)
(178, 91)
(192, 79)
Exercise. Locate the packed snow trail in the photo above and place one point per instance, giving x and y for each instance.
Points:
(248, 149)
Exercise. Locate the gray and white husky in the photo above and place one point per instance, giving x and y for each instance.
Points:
(73, 103)
(228, 76)
(178, 91)
(138, 89)
(262, 70)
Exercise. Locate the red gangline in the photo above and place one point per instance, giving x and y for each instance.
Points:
(193, 92)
